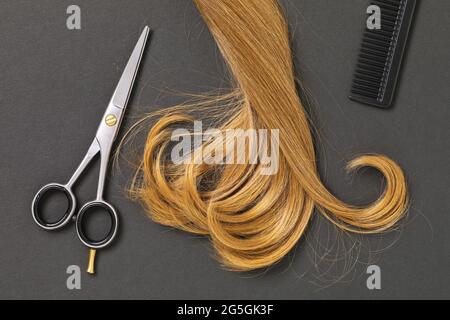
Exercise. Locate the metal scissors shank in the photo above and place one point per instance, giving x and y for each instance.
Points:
(102, 143)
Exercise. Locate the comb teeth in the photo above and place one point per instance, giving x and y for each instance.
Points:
(381, 54)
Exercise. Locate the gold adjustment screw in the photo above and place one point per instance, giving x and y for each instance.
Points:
(111, 120)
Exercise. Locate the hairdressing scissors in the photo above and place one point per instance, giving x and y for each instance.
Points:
(103, 142)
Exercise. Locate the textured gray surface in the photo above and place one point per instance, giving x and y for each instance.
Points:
(54, 87)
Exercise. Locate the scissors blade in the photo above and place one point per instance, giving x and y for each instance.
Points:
(126, 82)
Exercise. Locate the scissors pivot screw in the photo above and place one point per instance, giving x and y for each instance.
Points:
(111, 120)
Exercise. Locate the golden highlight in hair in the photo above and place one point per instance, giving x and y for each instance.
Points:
(254, 220)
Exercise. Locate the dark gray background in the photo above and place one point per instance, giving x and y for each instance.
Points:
(54, 87)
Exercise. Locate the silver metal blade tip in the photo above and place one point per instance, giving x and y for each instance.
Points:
(125, 85)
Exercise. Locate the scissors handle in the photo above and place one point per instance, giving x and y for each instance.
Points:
(38, 206)
(39, 210)
(93, 244)
(86, 214)
(39, 213)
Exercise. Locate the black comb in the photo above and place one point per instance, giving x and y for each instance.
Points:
(381, 54)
